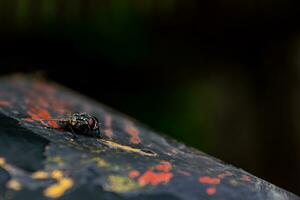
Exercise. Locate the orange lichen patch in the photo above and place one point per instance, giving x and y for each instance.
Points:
(153, 178)
(14, 185)
(133, 132)
(2, 161)
(133, 173)
(209, 180)
(58, 189)
(211, 190)
(40, 175)
(164, 166)
(4, 103)
(245, 178)
(41, 115)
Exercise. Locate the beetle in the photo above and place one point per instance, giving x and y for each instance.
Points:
(80, 123)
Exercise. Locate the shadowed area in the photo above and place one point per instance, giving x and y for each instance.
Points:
(20, 147)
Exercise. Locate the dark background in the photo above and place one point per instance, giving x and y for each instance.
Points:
(222, 76)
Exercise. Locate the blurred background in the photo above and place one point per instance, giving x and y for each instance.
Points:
(221, 76)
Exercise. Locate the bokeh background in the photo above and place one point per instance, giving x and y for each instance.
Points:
(221, 76)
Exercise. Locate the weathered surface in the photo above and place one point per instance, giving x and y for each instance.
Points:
(39, 161)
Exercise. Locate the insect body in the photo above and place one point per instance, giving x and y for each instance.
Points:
(80, 123)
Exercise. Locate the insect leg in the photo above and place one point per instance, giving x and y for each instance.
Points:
(73, 134)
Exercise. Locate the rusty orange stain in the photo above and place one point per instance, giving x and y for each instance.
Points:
(150, 177)
(211, 190)
(154, 178)
(4, 103)
(245, 178)
(163, 166)
(133, 173)
(209, 180)
(133, 132)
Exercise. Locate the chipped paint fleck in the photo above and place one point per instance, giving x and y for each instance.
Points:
(14, 185)
(121, 184)
(58, 189)
(211, 190)
(40, 175)
(209, 180)
(133, 173)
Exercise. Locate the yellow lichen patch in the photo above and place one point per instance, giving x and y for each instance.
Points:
(40, 175)
(14, 185)
(57, 174)
(2, 161)
(100, 162)
(121, 184)
(58, 189)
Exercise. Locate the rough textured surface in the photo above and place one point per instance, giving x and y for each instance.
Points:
(39, 161)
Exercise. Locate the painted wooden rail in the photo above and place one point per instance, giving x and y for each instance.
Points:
(38, 160)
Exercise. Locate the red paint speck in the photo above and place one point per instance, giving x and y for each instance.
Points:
(133, 173)
(211, 190)
(209, 180)
(153, 178)
(4, 103)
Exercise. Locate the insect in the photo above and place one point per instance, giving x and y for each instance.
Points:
(80, 123)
